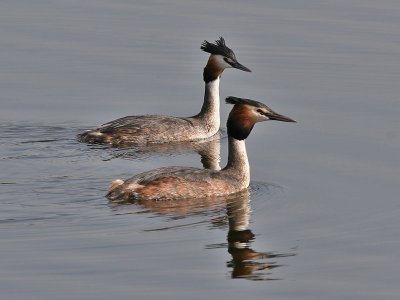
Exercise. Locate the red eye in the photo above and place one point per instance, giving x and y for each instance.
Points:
(260, 111)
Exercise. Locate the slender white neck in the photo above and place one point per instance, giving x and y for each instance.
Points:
(238, 163)
(210, 109)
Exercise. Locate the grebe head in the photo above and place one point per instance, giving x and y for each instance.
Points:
(221, 58)
(246, 113)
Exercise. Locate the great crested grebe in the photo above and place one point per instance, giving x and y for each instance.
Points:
(145, 129)
(188, 182)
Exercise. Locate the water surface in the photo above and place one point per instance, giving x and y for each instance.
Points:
(321, 217)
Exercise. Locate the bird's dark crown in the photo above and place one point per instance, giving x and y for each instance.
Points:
(236, 100)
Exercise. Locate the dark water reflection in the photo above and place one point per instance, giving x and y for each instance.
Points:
(233, 213)
(208, 149)
(246, 262)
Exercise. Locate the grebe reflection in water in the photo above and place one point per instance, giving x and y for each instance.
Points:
(247, 263)
(232, 211)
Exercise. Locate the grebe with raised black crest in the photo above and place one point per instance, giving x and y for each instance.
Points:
(145, 129)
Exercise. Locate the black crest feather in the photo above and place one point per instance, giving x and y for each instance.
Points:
(219, 47)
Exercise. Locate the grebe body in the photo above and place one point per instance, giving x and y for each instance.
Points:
(145, 129)
(188, 182)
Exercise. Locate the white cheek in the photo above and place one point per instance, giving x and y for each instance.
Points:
(258, 117)
(262, 118)
(221, 62)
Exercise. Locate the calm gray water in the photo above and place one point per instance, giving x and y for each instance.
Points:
(321, 219)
